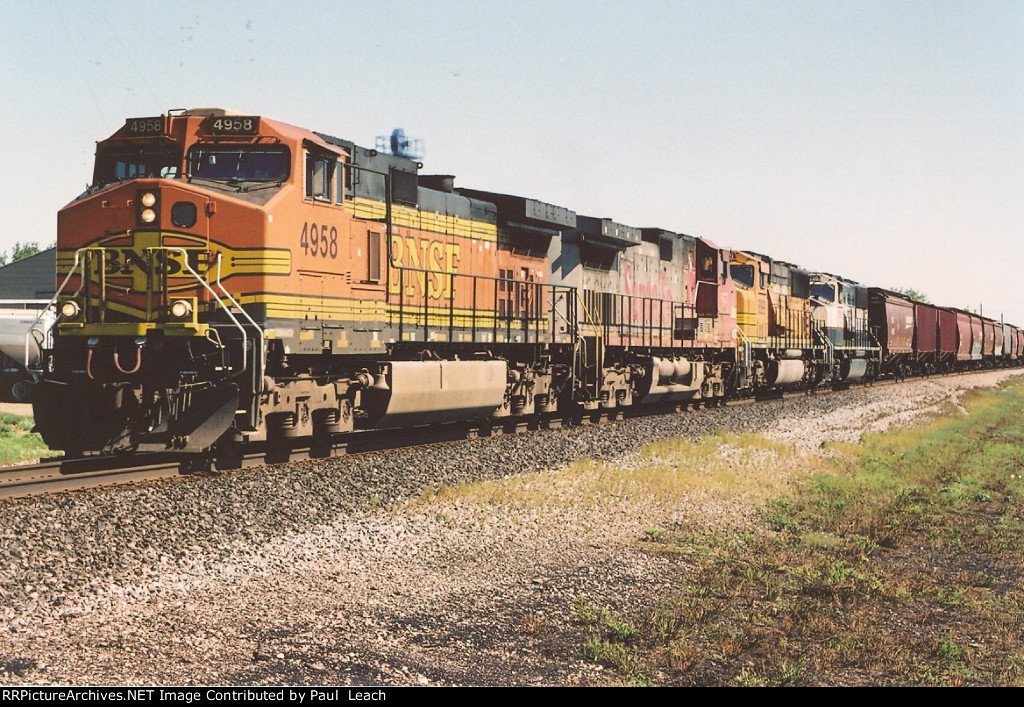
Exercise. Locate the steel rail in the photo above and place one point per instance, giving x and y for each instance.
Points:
(62, 475)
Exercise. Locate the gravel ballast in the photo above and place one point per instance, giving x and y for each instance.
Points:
(322, 573)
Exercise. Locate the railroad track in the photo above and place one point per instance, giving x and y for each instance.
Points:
(62, 475)
(59, 474)
(56, 475)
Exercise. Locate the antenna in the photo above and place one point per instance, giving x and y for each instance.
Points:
(399, 145)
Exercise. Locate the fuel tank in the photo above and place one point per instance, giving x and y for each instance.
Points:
(428, 392)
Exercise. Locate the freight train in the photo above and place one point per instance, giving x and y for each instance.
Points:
(230, 281)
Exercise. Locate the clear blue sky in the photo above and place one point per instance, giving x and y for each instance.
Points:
(875, 139)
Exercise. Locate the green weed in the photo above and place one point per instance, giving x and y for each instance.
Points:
(17, 441)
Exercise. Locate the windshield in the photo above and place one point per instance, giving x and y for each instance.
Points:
(116, 164)
(243, 163)
(825, 293)
(742, 274)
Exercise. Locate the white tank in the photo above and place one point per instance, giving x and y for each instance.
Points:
(16, 318)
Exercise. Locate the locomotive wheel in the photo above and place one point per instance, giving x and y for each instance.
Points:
(18, 391)
(283, 425)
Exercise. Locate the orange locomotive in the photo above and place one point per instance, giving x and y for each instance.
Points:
(231, 279)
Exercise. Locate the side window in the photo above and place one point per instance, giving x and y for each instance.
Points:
(373, 256)
(319, 173)
(341, 180)
(665, 249)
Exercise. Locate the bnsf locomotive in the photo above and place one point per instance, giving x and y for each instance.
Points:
(231, 280)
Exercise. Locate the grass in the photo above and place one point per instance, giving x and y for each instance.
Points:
(671, 470)
(901, 562)
(17, 441)
(612, 642)
(896, 561)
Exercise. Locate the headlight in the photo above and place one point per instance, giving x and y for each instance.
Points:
(147, 206)
(180, 309)
(70, 309)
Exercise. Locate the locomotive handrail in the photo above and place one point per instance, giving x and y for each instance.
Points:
(878, 345)
(747, 352)
(422, 312)
(39, 317)
(579, 356)
(185, 266)
(829, 346)
(262, 335)
(555, 313)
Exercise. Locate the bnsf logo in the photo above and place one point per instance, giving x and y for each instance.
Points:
(420, 254)
(126, 261)
(145, 267)
(145, 261)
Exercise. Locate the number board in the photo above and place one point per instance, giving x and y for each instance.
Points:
(144, 126)
(233, 124)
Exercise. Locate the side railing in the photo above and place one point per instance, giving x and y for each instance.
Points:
(43, 337)
(830, 349)
(632, 320)
(428, 305)
(746, 354)
(259, 352)
(588, 351)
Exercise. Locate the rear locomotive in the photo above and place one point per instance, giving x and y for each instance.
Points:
(840, 313)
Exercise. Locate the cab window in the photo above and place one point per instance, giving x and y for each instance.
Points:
(823, 293)
(244, 163)
(319, 176)
(742, 274)
(341, 179)
(117, 164)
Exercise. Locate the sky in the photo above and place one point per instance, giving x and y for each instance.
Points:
(879, 140)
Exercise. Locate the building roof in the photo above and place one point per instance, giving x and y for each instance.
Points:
(33, 277)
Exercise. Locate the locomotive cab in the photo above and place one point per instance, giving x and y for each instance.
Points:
(839, 309)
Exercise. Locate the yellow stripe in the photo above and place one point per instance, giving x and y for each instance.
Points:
(333, 309)
(133, 329)
(427, 221)
(288, 306)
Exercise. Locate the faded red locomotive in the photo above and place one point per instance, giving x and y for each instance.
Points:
(230, 281)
